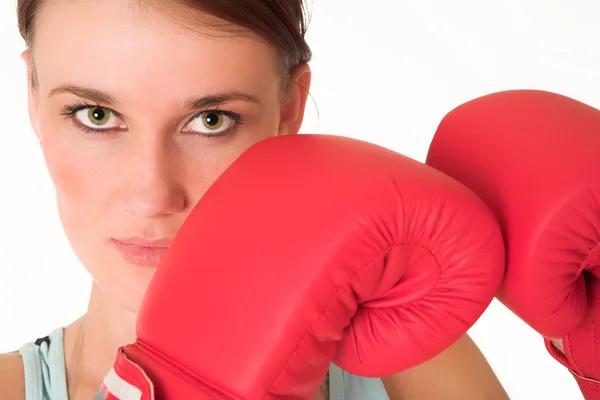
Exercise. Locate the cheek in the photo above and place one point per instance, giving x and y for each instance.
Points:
(79, 172)
(73, 189)
(68, 179)
(76, 172)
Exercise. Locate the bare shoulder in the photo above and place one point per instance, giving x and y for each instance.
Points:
(459, 372)
(12, 381)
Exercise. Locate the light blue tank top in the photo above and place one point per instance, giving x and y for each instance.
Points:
(45, 376)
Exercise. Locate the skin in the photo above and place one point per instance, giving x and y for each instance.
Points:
(142, 178)
(558, 343)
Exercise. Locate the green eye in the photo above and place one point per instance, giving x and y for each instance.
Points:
(98, 116)
(212, 120)
(213, 123)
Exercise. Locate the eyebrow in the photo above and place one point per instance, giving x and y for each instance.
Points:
(93, 95)
(109, 99)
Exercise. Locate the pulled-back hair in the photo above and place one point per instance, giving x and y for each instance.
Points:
(282, 23)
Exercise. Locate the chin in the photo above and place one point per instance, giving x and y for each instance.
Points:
(124, 285)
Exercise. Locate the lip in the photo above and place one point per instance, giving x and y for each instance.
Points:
(142, 252)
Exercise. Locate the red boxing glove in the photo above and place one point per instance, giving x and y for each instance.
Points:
(534, 158)
(311, 249)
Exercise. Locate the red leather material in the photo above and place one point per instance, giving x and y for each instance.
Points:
(311, 249)
(534, 158)
(125, 381)
(589, 387)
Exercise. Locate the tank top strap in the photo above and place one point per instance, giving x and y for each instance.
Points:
(44, 368)
(345, 386)
(336, 383)
(45, 374)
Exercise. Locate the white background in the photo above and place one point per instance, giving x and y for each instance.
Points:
(385, 71)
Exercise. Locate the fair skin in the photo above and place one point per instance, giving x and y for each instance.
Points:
(142, 177)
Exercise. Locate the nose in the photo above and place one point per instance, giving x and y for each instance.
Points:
(154, 187)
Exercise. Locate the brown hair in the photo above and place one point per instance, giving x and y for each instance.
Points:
(282, 23)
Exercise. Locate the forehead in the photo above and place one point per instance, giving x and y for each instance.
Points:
(116, 44)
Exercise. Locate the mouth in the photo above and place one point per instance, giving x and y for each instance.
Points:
(142, 252)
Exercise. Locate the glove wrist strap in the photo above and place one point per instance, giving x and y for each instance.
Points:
(125, 381)
(590, 388)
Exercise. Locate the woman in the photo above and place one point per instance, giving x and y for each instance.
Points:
(139, 106)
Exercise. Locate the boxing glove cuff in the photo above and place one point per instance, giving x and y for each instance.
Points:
(125, 381)
(129, 381)
(590, 388)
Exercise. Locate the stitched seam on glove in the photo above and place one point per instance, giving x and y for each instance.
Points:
(595, 347)
(183, 372)
(571, 359)
(588, 383)
(326, 308)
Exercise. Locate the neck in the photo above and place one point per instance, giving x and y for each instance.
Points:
(91, 342)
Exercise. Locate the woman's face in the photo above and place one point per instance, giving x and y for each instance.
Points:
(137, 116)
